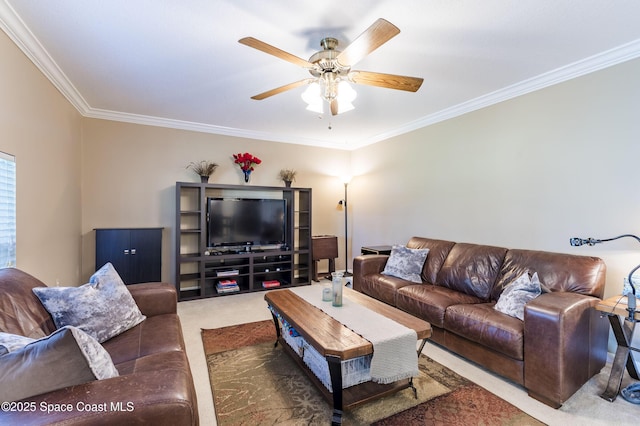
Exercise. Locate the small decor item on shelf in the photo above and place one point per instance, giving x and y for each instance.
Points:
(227, 286)
(287, 176)
(270, 284)
(203, 168)
(246, 162)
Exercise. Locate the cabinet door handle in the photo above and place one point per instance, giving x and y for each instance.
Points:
(126, 251)
(133, 251)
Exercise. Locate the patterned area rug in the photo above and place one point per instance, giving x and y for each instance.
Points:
(254, 383)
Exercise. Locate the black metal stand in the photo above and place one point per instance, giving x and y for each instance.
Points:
(346, 236)
(335, 372)
(277, 324)
(623, 331)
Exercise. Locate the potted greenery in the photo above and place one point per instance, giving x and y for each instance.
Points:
(203, 168)
(287, 176)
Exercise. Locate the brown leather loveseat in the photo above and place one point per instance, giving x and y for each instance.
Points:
(560, 344)
(154, 386)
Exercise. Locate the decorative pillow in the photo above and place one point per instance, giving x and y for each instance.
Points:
(517, 293)
(67, 357)
(103, 308)
(12, 342)
(406, 263)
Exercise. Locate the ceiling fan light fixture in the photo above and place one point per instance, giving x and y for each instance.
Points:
(312, 96)
(328, 89)
(346, 93)
(316, 107)
(329, 86)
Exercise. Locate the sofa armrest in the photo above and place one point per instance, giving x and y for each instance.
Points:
(165, 397)
(366, 265)
(155, 298)
(565, 343)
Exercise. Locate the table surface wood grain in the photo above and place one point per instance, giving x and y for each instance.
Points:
(616, 305)
(329, 336)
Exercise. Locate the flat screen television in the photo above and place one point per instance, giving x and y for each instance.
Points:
(245, 221)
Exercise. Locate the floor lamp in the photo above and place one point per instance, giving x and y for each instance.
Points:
(343, 202)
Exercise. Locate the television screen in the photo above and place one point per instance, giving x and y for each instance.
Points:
(245, 221)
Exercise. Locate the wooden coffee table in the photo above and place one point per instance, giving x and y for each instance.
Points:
(338, 343)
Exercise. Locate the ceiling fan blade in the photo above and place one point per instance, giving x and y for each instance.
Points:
(278, 53)
(389, 81)
(334, 107)
(281, 89)
(375, 36)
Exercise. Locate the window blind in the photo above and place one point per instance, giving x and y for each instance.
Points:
(7, 210)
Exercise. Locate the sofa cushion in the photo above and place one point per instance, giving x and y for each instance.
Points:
(382, 287)
(472, 269)
(482, 324)
(12, 342)
(67, 357)
(557, 271)
(430, 302)
(157, 334)
(438, 251)
(20, 310)
(517, 294)
(103, 307)
(406, 263)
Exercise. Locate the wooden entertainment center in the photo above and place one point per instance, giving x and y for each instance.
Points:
(202, 271)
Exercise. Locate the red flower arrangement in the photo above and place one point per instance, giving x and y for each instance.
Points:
(246, 162)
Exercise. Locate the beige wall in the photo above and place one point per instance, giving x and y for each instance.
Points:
(130, 171)
(527, 173)
(42, 130)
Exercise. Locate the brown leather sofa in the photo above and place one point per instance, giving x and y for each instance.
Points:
(155, 385)
(562, 341)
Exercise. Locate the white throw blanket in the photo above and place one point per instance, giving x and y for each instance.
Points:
(394, 346)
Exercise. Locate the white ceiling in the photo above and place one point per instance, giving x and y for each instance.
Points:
(178, 63)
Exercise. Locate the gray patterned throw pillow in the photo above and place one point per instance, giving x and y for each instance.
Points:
(12, 342)
(406, 263)
(103, 308)
(517, 293)
(67, 357)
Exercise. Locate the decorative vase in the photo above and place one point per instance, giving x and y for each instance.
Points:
(326, 293)
(287, 183)
(247, 175)
(204, 179)
(336, 284)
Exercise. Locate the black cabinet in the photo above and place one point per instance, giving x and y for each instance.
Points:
(136, 253)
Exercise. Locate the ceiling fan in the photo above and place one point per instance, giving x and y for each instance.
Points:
(330, 66)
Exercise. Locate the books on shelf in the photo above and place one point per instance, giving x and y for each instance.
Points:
(227, 286)
(270, 284)
(227, 272)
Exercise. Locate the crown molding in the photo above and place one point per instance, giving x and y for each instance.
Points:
(206, 128)
(20, 34)
(615, 56)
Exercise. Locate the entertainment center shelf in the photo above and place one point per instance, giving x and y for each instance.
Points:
(202, 270)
